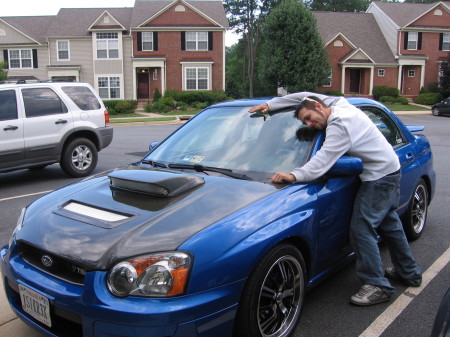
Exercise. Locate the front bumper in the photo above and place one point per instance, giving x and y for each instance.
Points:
(90, 310)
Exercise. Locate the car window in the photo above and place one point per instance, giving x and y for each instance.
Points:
(385, 124)
(83, 97)
(8, 105)
(42, 102)
(232, 138)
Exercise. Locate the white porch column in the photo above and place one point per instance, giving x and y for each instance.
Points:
(163, 79)
(134, 83)
(343, 79)
(399, 80)
(422, 76)
(371, 81)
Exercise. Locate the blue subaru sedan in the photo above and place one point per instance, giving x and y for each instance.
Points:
(195, 239)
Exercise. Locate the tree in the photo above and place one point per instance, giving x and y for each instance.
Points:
(339, 5)
(3, 71)
(245, 16)
(294, 55)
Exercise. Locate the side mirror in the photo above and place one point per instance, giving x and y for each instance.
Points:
(346, 166)
(153, 145)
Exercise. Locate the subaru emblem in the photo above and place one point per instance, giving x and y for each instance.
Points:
(46, 261)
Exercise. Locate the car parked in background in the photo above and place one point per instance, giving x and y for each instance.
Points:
(195, 239)
(441, 108)
(46, 123)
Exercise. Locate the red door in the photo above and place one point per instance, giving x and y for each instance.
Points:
(143, 85)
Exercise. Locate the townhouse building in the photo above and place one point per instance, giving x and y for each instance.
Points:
(124, 53)
(401, 45)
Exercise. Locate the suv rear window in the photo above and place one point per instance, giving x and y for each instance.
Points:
(8, 105)
(82, 97)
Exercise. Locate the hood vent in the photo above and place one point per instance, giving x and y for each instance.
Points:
(155, 183)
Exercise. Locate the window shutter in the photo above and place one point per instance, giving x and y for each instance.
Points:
(139, 41)
(419, 42)
(5, 57)
(35, 58)
(210, 40)
(406, 41)
(155, 41)
(183, 40)
(441, 40)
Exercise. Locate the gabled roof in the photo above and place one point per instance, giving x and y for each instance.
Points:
(77, 21)
(33, 27)
(405, 13)
(113, 23)
(145, 9)
(360, 29)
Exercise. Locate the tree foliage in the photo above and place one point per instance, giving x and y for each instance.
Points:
(339, 5)
(3, 71)
(294, 56)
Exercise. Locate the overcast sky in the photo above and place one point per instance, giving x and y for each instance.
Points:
(51, 7)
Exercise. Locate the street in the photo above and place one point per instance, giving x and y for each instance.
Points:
(326, 311)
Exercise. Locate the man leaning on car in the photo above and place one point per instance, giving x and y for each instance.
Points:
(350, 131)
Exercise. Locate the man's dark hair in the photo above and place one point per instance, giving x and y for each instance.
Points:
(309, 103)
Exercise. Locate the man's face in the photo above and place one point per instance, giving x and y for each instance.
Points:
(313, 118)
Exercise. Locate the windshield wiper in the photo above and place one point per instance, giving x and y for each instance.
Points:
(154, 163)
(201, 168)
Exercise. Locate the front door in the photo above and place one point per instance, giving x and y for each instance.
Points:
(143, 86)
(355, 79)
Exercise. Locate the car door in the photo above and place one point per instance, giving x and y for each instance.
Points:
(401, 145)
(46, 122)
(445, 106)
(11, 130)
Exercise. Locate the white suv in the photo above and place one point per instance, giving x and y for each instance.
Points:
(46, 123)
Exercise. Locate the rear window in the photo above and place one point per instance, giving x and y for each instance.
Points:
(83, 97)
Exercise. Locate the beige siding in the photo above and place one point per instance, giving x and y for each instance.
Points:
(128, 67)
(40, 73)
(107, 67)
(9, 35)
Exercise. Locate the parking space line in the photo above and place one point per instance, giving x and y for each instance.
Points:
(382, 322)
(24, 195)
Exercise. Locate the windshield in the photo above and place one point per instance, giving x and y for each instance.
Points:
(234, 139)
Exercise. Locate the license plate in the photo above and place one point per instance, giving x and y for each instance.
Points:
(35, 305)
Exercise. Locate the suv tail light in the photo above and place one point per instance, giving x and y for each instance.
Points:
(106, 117)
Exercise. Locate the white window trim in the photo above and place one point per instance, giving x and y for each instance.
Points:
(196, 42)
(188, 65)
(416, 40)
(119, 46)
(381, 72)
(20, 58)
(444, 38)
(150, 40)
(58, 50)
(121, 87)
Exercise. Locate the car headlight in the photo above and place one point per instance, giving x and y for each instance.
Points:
(18, 227)
(155, 275)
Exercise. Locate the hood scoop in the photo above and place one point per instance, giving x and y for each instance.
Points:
(154, 183)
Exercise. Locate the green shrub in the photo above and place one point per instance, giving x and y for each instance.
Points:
(387, 99)
(164, 104)
(124, 107)
(402, 100)
(429, 98)
(116, 106)
(380, 91)
(156, 95)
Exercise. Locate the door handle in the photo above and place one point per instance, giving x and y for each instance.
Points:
(409, 156)
(10, 128)
(61, 121)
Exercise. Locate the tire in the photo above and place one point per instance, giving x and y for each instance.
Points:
(273, 296)
(415, 217)
(79, 158)
(435, 112)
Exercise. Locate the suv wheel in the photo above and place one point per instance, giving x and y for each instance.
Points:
(79, 157)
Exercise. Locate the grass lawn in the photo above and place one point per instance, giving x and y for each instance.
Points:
(406, 107)
(137, 120)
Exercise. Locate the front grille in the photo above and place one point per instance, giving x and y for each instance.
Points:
(51, 264)
(64, 323)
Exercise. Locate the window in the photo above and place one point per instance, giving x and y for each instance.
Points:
(107, 45)
(381, 72)
(385, 124)
(412, 41)
(109, 87)
(328, 81)
(8, 105)
(147, 40)
(63, 50)
(82, 97)
(196, 40)
(42, 102)
(197, 78)
(446, 41)
(20, 58)
(411, 73)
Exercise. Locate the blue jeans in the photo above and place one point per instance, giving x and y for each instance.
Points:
(375, 213)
